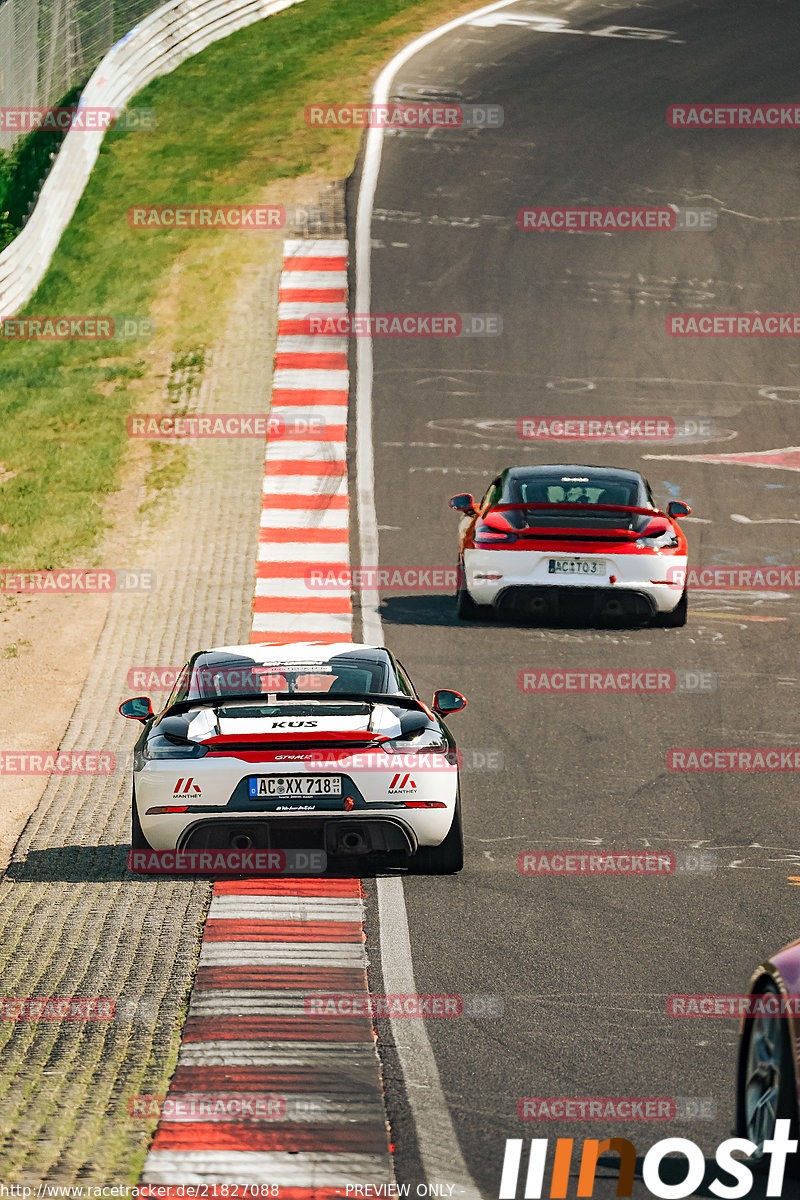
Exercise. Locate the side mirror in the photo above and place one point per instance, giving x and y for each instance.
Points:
(463, 503)
(137, 709)
(445, 701)
(676, 508)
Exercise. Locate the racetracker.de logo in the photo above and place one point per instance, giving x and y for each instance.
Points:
(75, 117)
(585, 862)
(596, 429)
(363, 1004)
(698, 324)
(765, 1004)
(80, 582)
(57, 762)
(56, 1008)
(733, 758)
(167, 427)
(75, 329)
(246, 217)
(596, 1108)
(568, 218)
(226, 862)
(557, 681)
(733, 116)
(395, 325)
(406, 116)
(389, 579)
(213, 1106)
(735, 579)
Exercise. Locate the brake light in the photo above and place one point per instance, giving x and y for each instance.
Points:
(424, 804)
(167, 808)
(485, 533)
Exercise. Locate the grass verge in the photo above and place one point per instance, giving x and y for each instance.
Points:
(230, 129)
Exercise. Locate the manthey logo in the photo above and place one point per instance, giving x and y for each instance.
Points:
(186, 789)
(401, 783)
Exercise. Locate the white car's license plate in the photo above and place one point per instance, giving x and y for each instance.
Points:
(269, 786)
(577, 566)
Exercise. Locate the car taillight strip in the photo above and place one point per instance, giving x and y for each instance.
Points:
(305, 508)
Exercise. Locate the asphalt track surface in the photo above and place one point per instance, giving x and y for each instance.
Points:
(584, 966)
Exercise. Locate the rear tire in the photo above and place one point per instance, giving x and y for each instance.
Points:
(138, 840)
(676, 618)
(767, 1090)
(447, 857)
(466, 607)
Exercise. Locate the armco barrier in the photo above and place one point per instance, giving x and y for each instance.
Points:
(154, 47)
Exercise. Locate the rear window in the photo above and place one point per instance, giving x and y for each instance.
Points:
(571, 489)
(213, 677)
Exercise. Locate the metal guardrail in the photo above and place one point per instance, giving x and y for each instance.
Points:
(152, 48)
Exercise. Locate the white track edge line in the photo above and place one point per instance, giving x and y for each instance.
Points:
(437, 1142)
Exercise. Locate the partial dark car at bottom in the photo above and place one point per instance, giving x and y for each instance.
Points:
(768, 1075)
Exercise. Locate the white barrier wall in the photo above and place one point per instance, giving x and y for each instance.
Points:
(154, 47)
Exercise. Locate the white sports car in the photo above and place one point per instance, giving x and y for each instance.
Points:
(320, 747)
(560, 541)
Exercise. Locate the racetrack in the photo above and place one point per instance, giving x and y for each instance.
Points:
(584, 966)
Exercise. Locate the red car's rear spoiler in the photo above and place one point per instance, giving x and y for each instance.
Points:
(623, 508)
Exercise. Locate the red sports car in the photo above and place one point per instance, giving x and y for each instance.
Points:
(556, 541)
